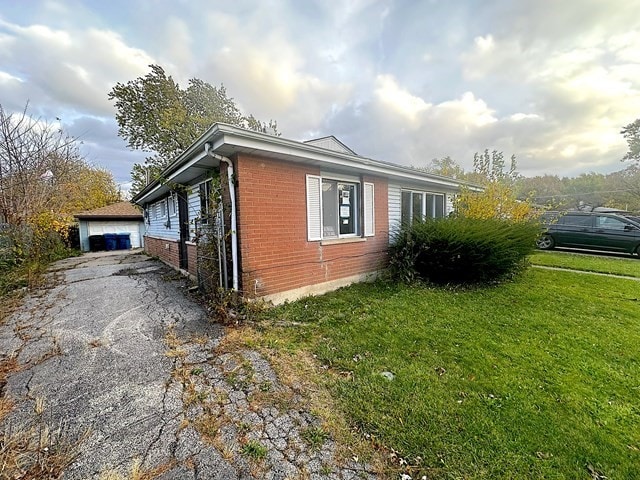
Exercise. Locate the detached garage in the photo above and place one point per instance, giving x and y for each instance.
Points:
(122, 217)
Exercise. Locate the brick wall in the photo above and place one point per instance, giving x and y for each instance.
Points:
(157, 247)
(272, 230)
(192, 255)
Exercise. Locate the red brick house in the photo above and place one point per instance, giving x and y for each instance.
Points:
(299, 218)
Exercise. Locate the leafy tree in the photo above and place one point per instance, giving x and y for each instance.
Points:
(44, 180)
(493, 168)
(624, 188)
(497, 198)
(544, 190)
(156, 115)
(42, 169)
(445, 166)
(632, 134)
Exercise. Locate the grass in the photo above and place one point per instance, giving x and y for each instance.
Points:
(537, 378)
(314, 436)
(254, 450)
(589, 263)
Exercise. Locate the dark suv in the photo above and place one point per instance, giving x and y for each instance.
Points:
(593, 231)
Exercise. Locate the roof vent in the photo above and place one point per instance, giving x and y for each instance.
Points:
(331, 143)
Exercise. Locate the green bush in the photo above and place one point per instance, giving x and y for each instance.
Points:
(462, 250)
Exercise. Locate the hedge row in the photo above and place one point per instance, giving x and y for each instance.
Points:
(462, 250)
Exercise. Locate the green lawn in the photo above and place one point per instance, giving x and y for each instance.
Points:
(590, 263)
(539, 378)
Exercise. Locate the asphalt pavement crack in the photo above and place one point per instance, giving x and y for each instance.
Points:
(180, 402)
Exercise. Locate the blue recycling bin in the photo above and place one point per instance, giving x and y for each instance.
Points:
(124, 241)
(110, 241)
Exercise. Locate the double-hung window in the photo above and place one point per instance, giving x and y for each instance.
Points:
(420, 205)
(338, 208)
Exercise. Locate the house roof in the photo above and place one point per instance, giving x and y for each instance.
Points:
(111, 212)
(227, 140)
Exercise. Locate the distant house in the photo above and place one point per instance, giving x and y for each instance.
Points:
(299, 218)
(122, 217)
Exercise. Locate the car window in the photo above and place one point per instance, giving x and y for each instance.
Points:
(577, 220)
(610, 223)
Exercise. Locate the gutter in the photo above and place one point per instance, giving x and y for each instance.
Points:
(234, 227)
(236, 137)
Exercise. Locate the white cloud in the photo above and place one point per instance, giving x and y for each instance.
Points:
(269, 75)
(468, 111)
(399, 100)
(484, 44)
(75, 68)
(8, 78)
(396, 83)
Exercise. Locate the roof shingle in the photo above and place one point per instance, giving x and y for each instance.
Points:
(116, 210)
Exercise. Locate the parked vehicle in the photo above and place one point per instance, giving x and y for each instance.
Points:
(593, 231)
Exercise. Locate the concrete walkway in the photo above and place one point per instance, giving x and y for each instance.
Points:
(586, 272)
(115, 359)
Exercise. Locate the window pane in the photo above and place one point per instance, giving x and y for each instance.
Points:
(578, 220)
(348, 208)
(430, 206)
(439, 206)
(406, 208)
(417, 206)
(205, 189)
(329, 209)
(610, 223)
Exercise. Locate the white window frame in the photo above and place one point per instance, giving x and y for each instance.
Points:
(172, 203)
(205, 206)
(162, 205)
(423, 213)
(365, 206)
(356, 210)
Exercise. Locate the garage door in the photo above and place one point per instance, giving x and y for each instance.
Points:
(116, 226)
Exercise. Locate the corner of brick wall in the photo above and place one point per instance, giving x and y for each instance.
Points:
(165, 250)
(192, 255)
(276, 256)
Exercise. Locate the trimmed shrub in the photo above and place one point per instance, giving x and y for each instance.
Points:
(462, 250)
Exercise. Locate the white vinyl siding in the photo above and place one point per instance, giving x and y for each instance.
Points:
(314, 208)
(448, 205)
(160, 224)
(369, 217)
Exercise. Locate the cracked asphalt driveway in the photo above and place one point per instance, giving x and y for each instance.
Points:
(115, 355)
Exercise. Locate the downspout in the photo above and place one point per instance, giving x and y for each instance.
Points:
(232, 194)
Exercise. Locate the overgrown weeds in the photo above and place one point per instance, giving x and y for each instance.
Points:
(230, 308)
(137, 472)
(37, 452)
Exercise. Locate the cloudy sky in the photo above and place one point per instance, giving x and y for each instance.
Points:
(406, 81)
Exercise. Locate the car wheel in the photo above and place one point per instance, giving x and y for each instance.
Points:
(638, 251)
(545, 242)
